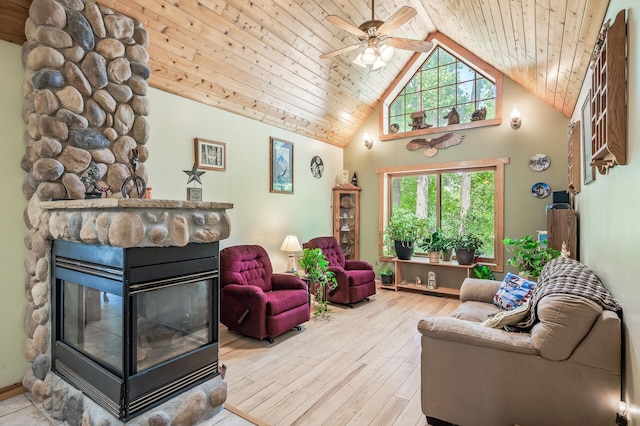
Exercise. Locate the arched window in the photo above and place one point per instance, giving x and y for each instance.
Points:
(440, 84)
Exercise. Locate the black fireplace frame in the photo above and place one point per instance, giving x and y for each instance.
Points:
(127, 272)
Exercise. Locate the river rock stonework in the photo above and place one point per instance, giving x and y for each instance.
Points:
(84, 100)
(85, 85)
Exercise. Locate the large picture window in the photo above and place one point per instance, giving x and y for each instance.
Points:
(443, 82)
(452, 197)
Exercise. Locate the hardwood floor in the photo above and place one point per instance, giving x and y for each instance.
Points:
(361, 367)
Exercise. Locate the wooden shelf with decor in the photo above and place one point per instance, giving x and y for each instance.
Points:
(440, 291)
(346, 219)
(608, 97)
(574, 158)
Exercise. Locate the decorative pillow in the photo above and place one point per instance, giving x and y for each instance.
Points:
(513, 291)
(511, 317)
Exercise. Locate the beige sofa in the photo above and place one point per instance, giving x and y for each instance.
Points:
(565, 371)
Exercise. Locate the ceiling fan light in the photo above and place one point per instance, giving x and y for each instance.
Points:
(369, 56)
(379, 63)
(386, 52)
(358, 61)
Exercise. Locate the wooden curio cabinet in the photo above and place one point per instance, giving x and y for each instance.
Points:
(608, 97)
(346, 219)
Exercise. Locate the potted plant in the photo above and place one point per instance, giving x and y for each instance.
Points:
(529, 255)
(432, 244)
(466, 245)
(447, 247)
(403, 230)
(483, 272)
(316, 267)
(387, 275)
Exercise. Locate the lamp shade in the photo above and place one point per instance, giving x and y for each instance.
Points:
(369, 56)
(386, 52)
(291, 244)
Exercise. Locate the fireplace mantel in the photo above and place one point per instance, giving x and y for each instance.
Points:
(136, 222)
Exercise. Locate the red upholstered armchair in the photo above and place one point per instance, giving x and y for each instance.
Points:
(356, 278)
(256, 302)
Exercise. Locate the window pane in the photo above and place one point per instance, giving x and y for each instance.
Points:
(432, 62)
(432, 117)
(413, 103)
(465, 73)
(445, 57)
(430, 99)
(465, 111)
(447, 74)
(413, 85)
(486, 89)
(447, 96)
(465, 93)
(430, 79)
(397, 107)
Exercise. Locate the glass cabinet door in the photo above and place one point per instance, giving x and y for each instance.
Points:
(346, 219)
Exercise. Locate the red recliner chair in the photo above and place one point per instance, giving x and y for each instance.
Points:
(256, 302)
(356, 278)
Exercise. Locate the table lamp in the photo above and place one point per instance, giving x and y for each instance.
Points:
(291, 245)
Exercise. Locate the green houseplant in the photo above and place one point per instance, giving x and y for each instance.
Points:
(466, 245)
(316, 267)
(387, 275)
(403, 230)
(529, 255)
(483, 272)
(433, 245)
(447, 247)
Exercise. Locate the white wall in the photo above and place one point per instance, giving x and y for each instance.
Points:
(258, 216)
(608, 207)
(12, 226)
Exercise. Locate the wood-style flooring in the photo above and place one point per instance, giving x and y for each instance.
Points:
(361, 367)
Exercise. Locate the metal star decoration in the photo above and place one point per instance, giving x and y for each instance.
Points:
(194, 175)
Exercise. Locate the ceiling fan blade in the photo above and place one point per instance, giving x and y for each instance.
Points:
(404, 14)
(340, 51)
(339, 22)
(409, 44)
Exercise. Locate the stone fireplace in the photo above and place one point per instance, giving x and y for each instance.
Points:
(85, 105)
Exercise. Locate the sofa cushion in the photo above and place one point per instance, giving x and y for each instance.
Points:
(513, 291)
(564, 321)
(510, 317)
(475, 311)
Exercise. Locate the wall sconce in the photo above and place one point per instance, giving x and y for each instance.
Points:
(368, 142)
(516, 122)
(621, 413)
(291, 245)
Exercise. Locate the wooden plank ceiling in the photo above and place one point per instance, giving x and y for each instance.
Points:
(260, 58)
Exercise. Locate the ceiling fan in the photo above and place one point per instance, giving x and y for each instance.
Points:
(374, 37)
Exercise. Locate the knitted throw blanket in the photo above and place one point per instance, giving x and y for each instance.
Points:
(567, 276)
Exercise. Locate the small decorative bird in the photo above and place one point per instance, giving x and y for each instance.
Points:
(432, 146)
(194, 175)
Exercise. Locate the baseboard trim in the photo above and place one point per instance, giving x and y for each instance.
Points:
(11, 391)
(244, 415)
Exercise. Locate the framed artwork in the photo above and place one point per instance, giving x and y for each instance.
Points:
(280, 166)
(211, 155)
(194, 194)
(589, 171)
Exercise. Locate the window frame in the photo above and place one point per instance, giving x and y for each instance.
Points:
(411, 68)
(495, 164)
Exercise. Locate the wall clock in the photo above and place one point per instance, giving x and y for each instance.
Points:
(317, 167)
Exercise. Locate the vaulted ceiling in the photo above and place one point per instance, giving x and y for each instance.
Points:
(260, 58)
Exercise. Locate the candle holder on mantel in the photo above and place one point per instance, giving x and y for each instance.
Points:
(194, 194)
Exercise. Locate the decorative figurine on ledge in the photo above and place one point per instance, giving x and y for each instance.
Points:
(479, 114)
(452, 117)
(194, 194)
(92, 185)
(139, 185)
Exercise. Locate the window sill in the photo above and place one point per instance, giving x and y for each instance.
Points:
(445, 129)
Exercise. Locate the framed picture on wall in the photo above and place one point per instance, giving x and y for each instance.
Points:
(211, 155)
(589, 170)
(280, 166)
